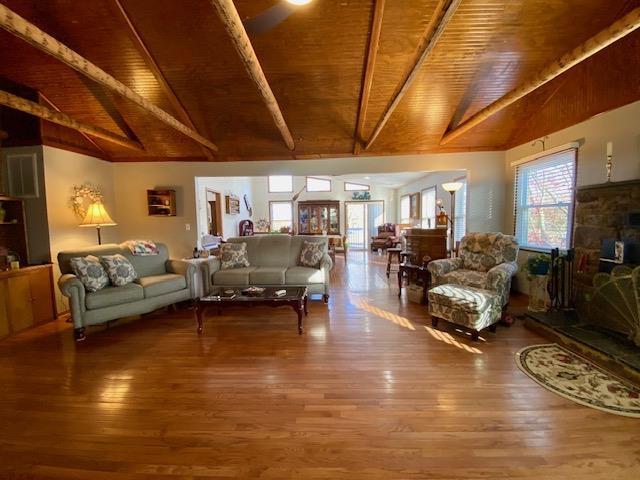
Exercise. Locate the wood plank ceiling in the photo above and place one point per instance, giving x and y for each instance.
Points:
(314, 62)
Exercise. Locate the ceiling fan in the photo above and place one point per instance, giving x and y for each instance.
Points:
(272, 16)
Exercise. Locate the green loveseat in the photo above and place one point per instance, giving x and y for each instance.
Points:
(161, 282)
(274, 262)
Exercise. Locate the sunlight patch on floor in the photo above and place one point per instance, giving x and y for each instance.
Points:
(364, 305)
(449, 340)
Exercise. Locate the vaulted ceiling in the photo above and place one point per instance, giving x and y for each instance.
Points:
(315, 62)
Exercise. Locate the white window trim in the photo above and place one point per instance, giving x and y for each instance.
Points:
(570, 205)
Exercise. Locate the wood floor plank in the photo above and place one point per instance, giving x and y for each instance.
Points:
(369, 391)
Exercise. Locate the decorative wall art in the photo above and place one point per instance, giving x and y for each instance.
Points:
(248, 205)
(232, 204)
(361, 195)
(82, 197)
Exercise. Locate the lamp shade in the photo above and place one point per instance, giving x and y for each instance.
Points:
(452, 187)
(97, 216)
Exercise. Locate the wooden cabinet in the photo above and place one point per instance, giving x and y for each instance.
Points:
(26, 298)
(13, 232)
(319, 217)
(421, 242)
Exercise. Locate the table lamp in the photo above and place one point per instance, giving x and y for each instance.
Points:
(98, 217)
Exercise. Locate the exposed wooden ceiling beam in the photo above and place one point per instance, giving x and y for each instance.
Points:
(22, 28)
(86, 137)
(593, 45)
(151, 63)
(439, 21)
(233, 24)
(32, 108)
(372, 53)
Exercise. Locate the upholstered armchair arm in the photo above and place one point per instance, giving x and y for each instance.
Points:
(499, 279)
(187, 270)
(439, 268)
(72, 287)
(211, 266)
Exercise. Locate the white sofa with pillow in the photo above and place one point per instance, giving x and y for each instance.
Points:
(136, 284)
(272, 260)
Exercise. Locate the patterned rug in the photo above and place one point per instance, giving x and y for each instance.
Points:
(573, 377)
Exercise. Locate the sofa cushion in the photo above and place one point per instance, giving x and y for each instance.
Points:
(303, 276)
(311, 254)
(90, 272)
(156, 285)
(267, 276)
(233, 276)
(119, 269)
(233, 255)
(110, 296)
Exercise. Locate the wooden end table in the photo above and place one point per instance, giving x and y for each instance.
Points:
(295, 297)
(421, 272)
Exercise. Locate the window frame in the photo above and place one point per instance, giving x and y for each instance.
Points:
(423, 196)
(279, 191)
(405, 221)
(463, 180)
(365, 188)
(290, 203)
(518, 193)
(321, 179)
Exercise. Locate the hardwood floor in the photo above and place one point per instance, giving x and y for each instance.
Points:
(369, 391)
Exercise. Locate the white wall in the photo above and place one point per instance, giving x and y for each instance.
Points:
(238, 186)
(262, 197)
(62, 171)
(620, 126)
(485, 175)
(430, 180)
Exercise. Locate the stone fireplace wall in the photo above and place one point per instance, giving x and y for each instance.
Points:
(600, 214)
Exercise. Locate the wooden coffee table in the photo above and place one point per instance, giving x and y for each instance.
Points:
(295, 297)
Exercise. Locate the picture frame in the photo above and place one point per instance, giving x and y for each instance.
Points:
(232, 204)
(414, 205)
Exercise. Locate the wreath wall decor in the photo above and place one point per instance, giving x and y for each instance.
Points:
(84, 195)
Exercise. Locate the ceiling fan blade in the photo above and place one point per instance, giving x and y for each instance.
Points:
(268, 19)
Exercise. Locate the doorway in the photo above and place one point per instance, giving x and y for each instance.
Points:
(363, 219)
(214, 213)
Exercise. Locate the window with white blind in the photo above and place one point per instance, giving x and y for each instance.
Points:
(428, 207)
(544, 201)
(281, 215)
(405, 210)
(460, 211)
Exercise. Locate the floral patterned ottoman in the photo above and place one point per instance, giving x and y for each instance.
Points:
(473, 308)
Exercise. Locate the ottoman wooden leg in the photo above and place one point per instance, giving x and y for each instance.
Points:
(434, 322)
(475, 335)
(493, 328)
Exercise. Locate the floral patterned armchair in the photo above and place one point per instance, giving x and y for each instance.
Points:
(486, 261)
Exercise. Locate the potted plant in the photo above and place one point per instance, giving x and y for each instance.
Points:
(537, 267)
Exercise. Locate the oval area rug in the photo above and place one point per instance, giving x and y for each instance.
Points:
(573, 377)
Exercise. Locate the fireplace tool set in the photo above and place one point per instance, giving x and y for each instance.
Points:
(560, 286)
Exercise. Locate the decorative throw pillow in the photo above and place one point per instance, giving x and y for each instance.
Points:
(233, 255)
(119, 269)
(90, 272)
(311, 254)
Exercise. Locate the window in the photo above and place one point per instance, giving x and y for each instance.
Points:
(318, 184)
(355, 187)
(405, 210)
(280, 184)
(544, 201)
(428, 207)
(281, 215)
(460, 211)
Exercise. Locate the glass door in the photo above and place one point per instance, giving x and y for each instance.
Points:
(363, 219)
